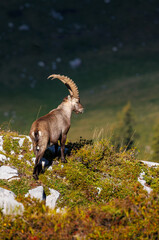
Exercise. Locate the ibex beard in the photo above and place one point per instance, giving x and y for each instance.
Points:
(54, 126)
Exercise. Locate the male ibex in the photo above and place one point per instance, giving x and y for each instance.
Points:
(54, 126)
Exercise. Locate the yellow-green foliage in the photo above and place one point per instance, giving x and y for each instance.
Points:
(7, 144)
(152, 178)
(129, 218)
(99, 191)
(94, 174)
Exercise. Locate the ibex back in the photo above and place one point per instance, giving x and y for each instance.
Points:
(54, 126)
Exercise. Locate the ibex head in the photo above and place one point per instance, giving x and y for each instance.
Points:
(73, 98)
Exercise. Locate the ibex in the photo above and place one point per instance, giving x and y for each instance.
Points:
(54, 126)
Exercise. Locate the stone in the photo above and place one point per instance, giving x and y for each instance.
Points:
(141, 177)
(7, 172)
(10, 25)
(52, 198)
(151, 164)
(114, 49)
(24, 27)
(75, 63)
(143, 183)
(54, 66)
(8, 204)
(56, 15)
(37, 193)
(3, 158)
(41, 64)
(1, 143)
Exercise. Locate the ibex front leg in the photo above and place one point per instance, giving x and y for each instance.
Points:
(62, 142)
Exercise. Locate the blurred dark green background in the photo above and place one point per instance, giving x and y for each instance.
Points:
(108, 47)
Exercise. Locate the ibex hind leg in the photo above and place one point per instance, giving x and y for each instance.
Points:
(36, 171)
(37, 167)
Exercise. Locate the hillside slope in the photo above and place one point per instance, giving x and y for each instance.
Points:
(100, 196)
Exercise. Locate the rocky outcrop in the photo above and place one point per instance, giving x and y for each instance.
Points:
(52, 198)
(7, 173)
(39, 193)
(8, 204)
(141, 177)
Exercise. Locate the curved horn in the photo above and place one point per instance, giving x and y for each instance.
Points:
(69, 84)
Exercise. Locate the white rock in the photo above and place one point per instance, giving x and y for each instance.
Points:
(33, 159)
(1, 143)
(20, 156)
(143, 183)
(21, 141)
(3, 158)
(61, 210)
(151, 164)
(7, 172)
(10, 25)
(75, 63)
(41, 64)
(14, 178)
(50, 168)
(37, 193)
(114, 49)
(28, 138)
(141, 177)
(24, 27)
(8, 204)
(54, 66)
(29, 163)
(52, 198)
(56, 15)
(58, 60)
(99, 190)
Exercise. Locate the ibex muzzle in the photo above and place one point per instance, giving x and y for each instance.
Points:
(54, 126)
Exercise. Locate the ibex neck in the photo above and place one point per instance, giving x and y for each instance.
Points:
(66, 108)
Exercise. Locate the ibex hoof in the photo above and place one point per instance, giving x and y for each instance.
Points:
(35, 176)
(63, 160)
